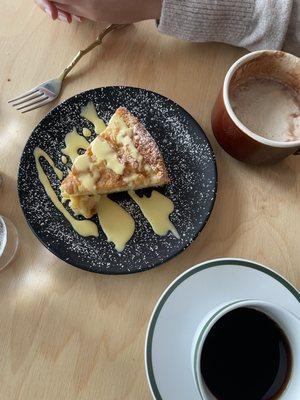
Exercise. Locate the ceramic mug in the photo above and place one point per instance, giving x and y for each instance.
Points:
(287, 321)
(235, 138)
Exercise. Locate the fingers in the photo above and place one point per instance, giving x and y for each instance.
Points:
(48, 7)
(56, 12)
(73, 10)
(64, 16)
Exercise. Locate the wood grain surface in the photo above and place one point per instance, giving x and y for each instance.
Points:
(68, 334)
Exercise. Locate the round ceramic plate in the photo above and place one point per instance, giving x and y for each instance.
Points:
(183, 305)
(189, 160)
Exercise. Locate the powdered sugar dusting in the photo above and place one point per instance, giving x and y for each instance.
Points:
(189, 160)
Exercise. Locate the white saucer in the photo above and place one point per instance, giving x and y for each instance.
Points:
(186, 301)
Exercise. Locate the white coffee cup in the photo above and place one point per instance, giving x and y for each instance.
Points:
(288, 322)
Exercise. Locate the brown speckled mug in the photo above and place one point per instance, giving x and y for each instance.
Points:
(235, 138)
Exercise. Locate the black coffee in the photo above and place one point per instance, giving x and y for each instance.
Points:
(246, 356)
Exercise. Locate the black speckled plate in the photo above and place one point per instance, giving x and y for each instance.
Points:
(189, 159)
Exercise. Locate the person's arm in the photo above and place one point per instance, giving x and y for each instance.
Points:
(253, 24)
(111, 11)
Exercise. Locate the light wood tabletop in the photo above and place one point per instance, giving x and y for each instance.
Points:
(69, 334)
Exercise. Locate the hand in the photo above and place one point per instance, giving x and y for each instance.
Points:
(112, 11)
(55, 12)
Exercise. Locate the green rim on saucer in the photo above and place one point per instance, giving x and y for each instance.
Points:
(178, 281)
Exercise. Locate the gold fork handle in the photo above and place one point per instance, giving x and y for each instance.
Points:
(96, 43)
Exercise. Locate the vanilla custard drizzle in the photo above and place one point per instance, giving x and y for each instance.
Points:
(157, 209)
(86, 132)
(74, 142)
(117, 224)
(84, 228)
(89, 112)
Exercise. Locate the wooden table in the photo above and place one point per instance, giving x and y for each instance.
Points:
(68, 334)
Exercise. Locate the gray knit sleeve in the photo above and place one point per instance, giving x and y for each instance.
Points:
(292, 42)
(254, 24)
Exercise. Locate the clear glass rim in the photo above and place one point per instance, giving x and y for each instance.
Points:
(11, 243)
(3, 232)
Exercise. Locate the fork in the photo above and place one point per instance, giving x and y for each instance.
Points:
(50, 90)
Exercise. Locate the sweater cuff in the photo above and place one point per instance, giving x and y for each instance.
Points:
(253, 24)
(206, 20)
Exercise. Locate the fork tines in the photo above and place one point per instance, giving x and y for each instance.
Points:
(34, 97)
